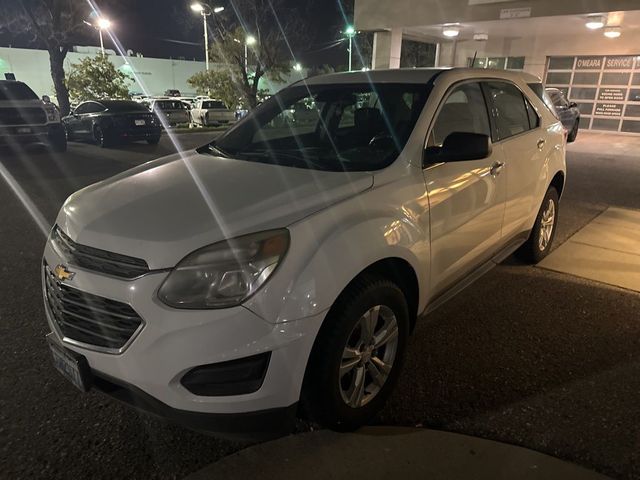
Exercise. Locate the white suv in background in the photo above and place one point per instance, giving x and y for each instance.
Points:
(286, 263)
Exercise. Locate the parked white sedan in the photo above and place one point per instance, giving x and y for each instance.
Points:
(287, 262)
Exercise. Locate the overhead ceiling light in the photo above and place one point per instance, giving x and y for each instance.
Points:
(450, 31)
(612, 32)
(595, 22)
(481, 37)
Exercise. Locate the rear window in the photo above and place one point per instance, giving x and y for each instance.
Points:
(124, 106)
(170, 105)
(16, 91)
(213, 104)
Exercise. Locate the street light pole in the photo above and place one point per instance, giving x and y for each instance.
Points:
(101, 42)
(102, 24)
(206, 40)
(350, 31)
(205, 11)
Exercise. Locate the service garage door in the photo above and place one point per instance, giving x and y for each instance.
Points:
(606, 88)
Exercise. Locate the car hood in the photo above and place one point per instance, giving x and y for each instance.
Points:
(165, 209)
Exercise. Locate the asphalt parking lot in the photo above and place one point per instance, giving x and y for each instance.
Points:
(524, 356)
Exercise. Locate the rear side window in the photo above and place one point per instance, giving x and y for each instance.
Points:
(512, 117)
(16, 91)
(543, 95)
(464, 110)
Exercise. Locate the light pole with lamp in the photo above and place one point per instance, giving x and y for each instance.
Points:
(350, 32)
(205, 11)
(250, 40)
(100, 25)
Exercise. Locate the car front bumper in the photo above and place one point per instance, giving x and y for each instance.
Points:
(148, 373)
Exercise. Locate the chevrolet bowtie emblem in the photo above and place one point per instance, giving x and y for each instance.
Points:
(63, 274)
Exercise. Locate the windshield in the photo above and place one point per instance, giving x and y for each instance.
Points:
(124, 106)
(16, 91)
(351, 127)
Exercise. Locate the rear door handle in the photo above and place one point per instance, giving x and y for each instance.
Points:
(541, 143)
(496, 168)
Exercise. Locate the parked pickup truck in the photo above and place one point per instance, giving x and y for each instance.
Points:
(24, 118)
(208, 112)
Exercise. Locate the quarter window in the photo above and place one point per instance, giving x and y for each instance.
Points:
(512, 117)
(463, 111)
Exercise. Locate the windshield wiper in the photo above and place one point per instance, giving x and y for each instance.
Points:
(213, 149)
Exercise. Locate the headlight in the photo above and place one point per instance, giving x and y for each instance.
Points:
(225, 274)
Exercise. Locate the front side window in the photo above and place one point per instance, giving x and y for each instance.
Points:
(512, 117)
(336, 127)
(83, 108)
(465, 111)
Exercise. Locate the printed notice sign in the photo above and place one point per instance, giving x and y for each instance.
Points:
(613, 94)
(507, 13)
(608, 110)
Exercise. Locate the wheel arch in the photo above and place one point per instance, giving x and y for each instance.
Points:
(558, 182)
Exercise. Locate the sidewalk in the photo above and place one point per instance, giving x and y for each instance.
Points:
(389, 453)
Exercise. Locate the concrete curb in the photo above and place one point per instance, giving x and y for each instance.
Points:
(390, 452)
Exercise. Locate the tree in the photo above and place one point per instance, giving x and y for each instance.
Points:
(54, 23)
(96, 78)
(219, 85)
(275, 27)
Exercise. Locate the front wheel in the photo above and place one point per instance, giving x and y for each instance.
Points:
(539, 243)
(358, 355)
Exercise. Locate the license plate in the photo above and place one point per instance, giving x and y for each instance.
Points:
(139, 123)
(23, 130)
(72, 366)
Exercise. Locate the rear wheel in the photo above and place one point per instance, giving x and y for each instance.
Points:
(153, 140)
(539, 243)
(358, 354)
(101, 137)
(573, 134)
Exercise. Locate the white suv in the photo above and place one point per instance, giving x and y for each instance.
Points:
(285, 264)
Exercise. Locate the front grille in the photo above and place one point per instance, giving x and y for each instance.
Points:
(88, 318)
(22, 116)
(98, 260)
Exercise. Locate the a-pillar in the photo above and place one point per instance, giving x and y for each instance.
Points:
(387, 46)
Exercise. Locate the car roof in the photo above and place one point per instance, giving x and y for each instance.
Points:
(417, 75)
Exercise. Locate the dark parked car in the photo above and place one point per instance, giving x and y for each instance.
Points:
(109, 122)
(567, 111)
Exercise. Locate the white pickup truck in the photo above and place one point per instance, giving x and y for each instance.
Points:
(24, 118)
(208, 112)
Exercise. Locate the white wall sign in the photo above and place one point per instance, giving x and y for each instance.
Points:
(485, 2)
(507, 13)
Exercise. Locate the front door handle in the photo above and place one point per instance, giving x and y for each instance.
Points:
(496, 168)
(541, 143)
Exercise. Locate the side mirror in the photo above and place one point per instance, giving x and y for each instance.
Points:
(460, 147)
(46, 99)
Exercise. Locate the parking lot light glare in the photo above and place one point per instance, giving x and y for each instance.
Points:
(218, 9)
(595, 23)
(104, 23)
(450, 31)
(297, 67)
(197, 7)
(251, 40)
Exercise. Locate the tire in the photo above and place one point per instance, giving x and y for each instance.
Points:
(326, 394)
(153, 140)
(101, 137)
(537, 247)
(573, 134)
(58, 140)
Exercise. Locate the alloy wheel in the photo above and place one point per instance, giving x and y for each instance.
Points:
(547, 224)
(368, 357)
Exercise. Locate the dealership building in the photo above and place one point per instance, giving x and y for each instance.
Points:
(590, 49)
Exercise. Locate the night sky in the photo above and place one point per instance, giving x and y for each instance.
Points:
(168, 28)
